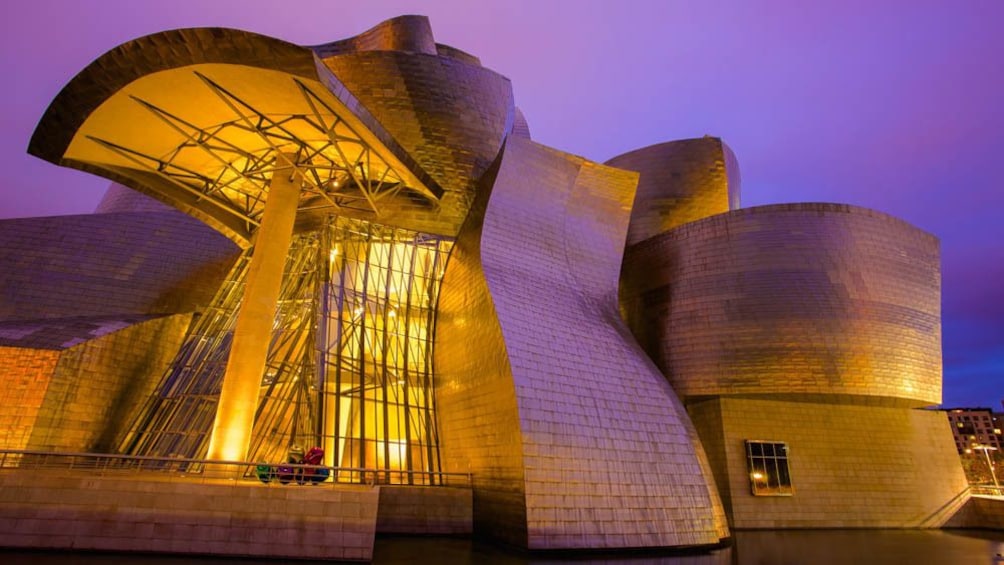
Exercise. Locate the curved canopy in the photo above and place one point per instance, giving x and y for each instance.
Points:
(203, 135)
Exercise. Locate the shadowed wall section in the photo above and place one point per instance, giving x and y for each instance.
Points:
(681, 181)
(475, 396)
(79, 381)
(795, 299)
(610, 459)
(109, 264)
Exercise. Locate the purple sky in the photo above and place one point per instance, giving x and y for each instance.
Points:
(897, 106)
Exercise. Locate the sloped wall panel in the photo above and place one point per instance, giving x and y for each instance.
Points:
(109, 264)
(475, 396)
(610, 458)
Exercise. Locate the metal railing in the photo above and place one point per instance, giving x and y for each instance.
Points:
(213, 471)
(986, 490)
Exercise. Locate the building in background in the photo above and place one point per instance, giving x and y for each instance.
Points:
(974, 427)
(363, 249)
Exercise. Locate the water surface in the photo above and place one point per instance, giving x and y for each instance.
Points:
(793, 547)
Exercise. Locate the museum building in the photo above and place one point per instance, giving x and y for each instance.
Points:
(358, 246)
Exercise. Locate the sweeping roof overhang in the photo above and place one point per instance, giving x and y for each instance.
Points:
(197, 118)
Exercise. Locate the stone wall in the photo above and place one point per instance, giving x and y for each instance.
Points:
(53, 510)
(424, 510)
(851, 465)
(980, 512)
(98, 386)
(26, 376)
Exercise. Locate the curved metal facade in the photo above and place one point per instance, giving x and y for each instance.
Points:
(808, 299)
(599, 431)
(681, 181)
(575, 437)
(451, 116)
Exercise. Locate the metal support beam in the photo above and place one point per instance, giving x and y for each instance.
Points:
(231, 433)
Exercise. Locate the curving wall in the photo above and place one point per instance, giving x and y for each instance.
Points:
(681, 181)
(109, 264)
(801, 299)
(543, 393)
(120, 198)
(449, 115)
(403, 33)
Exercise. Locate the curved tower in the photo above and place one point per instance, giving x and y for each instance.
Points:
(803, 339)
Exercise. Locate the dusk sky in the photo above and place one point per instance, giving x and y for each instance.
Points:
(891, 105)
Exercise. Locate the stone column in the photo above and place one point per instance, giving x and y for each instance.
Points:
(248, 352)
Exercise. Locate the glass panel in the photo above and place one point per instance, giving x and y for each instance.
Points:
(377, 344)
(767, 463)
(349, 368)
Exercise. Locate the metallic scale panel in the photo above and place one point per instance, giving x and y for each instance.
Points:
(681, 181)
(451, 116)
(600, 432)
(791, 299)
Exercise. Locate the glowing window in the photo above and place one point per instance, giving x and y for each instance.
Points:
(767, 463)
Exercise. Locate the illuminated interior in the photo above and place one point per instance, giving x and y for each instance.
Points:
(348, 368)
(204, 138)
(376, 346)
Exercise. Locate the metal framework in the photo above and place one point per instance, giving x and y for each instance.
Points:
(229, 163)
(376, 342)
(349, 367)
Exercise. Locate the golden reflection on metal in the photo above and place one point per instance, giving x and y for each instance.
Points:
(228, 163)
(376, 345)
(349, 367)
(252, 333)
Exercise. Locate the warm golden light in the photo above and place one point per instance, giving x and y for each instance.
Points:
(383, 290)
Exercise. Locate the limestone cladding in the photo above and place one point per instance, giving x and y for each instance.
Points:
(99, 386)
(26, 375)
(424, 510)
(680, 182)
(60, 510)
(109, 264)
(608, 454)
(851, 465)
(794, 298)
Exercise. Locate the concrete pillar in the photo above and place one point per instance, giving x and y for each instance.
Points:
(242, 381)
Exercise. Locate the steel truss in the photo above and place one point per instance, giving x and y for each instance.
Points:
(349, 367)
(339, 170)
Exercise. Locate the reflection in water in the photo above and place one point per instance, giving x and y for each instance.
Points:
(796, 547)
(861, 547)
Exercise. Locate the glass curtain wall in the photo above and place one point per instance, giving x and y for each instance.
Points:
(349, 366)
(376, 347)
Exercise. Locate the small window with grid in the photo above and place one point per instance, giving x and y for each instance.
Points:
(767, 462)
